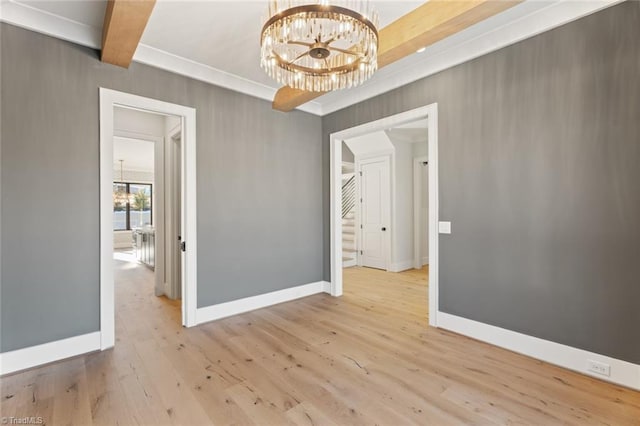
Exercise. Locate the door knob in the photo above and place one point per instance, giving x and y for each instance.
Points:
(384, 229)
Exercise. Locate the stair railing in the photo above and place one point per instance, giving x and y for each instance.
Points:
(348, 195)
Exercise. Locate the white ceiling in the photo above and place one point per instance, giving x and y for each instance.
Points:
(137, 155)
(226, 35)
(135, 132)
(374, 142)
(218, 41)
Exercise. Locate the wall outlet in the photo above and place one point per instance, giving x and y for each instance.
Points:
(599, 367)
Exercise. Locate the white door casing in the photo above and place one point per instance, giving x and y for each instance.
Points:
(375, 212)
(430, 112)
(108, 99)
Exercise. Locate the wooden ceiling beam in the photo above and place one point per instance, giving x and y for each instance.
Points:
(124, 23)
(424, 26)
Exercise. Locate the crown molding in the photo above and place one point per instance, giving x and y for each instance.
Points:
(176, 64)
(30, 18)
(37, 20)
(450, 52)
(459, 49)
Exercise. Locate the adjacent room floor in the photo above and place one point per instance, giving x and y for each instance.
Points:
(365, 358)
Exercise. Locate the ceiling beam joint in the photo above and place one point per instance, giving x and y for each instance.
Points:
(124, 24)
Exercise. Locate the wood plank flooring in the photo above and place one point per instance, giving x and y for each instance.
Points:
(367, 358)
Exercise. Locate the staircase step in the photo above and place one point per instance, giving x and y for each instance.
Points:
(349, 263)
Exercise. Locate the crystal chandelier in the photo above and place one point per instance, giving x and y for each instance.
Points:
(120, 195)
(319, 46)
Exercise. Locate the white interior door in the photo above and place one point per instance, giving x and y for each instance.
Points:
(176, 267)
(424, 215)
(374, 212)
(157, 207)
(173, 213)
(420, 212)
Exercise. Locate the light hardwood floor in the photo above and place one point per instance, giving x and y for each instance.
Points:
(366, 358)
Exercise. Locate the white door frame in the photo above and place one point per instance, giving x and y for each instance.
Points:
(430, 112)
(418, 190)
(108, 100)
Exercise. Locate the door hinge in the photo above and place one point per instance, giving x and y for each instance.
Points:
(360, 252)
(360, 226)
(183, 246)
(360, 173)
(360, 199)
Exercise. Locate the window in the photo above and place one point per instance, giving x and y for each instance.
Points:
(134, 210)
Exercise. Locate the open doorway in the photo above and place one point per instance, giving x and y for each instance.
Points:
(146, 199)
(386, 201)
(384, 221)
(147, 183)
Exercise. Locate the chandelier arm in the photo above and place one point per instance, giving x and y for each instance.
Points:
(348, 52)
(301, 43)
(299, 56)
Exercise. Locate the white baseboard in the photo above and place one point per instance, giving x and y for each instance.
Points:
(33, 356)
(425, 260)
(227, 309)
(401, 266)
(622, 372)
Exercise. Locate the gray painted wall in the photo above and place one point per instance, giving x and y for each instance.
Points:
(259, 187)
(539, 174)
